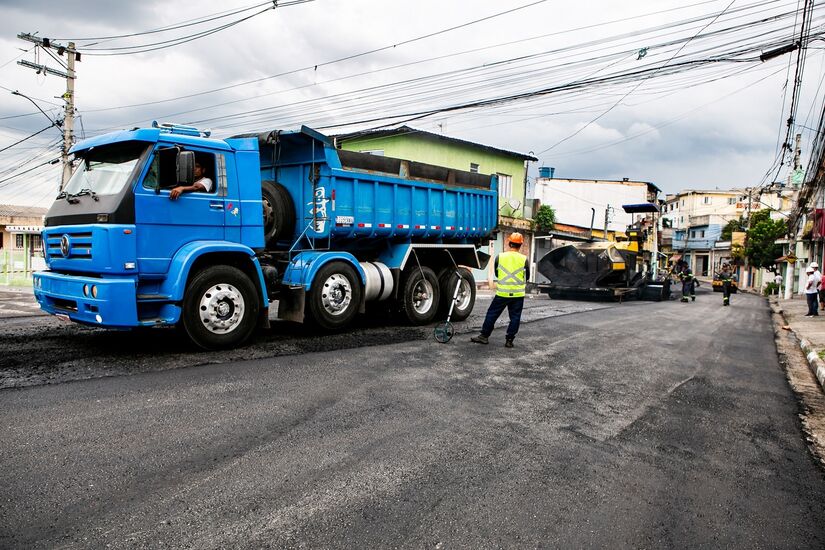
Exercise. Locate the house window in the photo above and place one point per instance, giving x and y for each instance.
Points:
(505, 185)
(731, 200)
(683, 202)
(707, 200)
(36, 242)
(376, 152)
(702, 234)
(474, 167)
(18, 241)
(681, 219)
(693, 234)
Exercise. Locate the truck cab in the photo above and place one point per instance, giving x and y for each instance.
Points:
(113, 233)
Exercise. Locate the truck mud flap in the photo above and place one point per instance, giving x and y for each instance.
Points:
(291, 304)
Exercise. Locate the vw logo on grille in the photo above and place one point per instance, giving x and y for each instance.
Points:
(65, 245)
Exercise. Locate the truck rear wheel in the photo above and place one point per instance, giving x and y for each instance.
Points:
(279, 214)
(420, 295)
(466, 299)
(335, 296)
(220, 308)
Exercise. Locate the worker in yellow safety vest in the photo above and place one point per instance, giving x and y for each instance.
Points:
(512, 273)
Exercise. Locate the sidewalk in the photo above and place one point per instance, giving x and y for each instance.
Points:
(810, 331)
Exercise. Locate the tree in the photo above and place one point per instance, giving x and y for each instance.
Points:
(761, 248)
(545, 217)
(732, 227)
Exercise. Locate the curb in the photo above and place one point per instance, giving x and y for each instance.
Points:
(816, 364)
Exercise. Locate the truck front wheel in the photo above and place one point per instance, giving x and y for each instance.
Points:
(420, 295)
(335, 296)
(220, 308)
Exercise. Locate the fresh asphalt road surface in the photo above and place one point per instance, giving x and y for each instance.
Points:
(641, 425)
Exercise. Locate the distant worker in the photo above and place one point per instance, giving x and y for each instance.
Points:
(812, 291)
(778, 281)
(512, 273)
(821, 291)
(202, 184)
(688, 282)
(726, 276)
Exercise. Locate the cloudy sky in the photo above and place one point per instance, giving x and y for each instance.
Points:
(670, 91)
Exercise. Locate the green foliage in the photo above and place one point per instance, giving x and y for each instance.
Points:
(545, 217)
(770, 288)
(761, 248)
(731, 227)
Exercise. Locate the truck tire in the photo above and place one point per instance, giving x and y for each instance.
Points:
(420, 295)
(220, 308)
(335, 296)
(466, 293)
(278, 212)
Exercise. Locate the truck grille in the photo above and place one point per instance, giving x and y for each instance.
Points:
(69, 245)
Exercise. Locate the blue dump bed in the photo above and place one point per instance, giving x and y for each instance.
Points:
(344, 196)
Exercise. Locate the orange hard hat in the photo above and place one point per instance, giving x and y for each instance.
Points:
(516, 238)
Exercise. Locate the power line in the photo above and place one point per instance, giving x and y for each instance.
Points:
(26, 138)
(174, 26)
(323, 64)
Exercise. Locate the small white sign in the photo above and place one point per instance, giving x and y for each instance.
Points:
(346, 220)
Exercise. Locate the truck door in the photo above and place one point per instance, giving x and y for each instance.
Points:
(163, 225)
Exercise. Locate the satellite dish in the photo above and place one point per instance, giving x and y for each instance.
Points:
(515, 204)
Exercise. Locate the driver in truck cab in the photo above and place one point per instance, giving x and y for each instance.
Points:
(202, 184)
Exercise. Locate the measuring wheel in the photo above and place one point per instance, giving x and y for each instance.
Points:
(444, 332)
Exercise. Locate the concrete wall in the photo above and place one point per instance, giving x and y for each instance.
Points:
(573, 200)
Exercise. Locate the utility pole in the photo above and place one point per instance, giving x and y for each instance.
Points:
(68, 97)
(791, 273)
(606, 220)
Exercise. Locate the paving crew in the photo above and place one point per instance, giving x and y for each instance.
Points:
(726, 276)
(688, 282)
(512, 273)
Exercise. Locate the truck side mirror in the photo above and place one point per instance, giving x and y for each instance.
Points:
(185, 168)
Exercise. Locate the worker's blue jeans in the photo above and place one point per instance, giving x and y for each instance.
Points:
(514, 307)
(813, 305)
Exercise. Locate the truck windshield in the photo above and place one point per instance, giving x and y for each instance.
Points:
(104, 170)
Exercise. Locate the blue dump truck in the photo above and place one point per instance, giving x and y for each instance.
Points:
(290, 220)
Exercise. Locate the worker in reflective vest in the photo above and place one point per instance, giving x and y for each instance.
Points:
(512, 273)
(726, 276)
(688, 282)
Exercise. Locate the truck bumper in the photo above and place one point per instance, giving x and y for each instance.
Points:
(93, 301)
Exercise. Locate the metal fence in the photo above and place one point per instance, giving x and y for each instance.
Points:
(17, 266)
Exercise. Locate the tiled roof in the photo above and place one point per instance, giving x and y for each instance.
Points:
(9, 210)
(404, 130)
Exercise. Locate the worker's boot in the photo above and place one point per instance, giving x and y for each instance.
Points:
(693, 298)
(480, 339)
(725, 302)
(508, 343)
(684, 299)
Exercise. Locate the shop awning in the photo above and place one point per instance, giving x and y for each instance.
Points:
(637, 208)
(28, 229)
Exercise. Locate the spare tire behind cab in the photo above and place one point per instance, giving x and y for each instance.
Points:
(278, 212)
